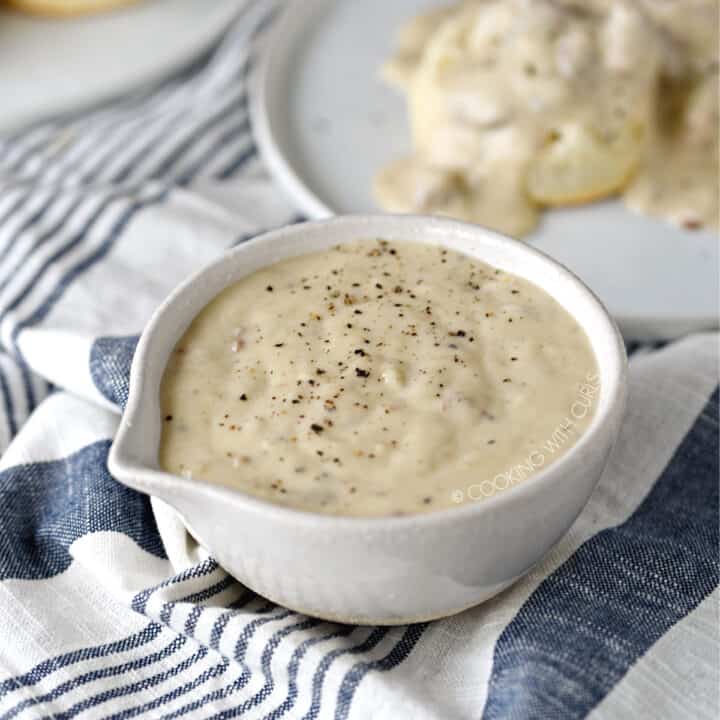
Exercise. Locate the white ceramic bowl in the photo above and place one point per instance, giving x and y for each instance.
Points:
(374, 570)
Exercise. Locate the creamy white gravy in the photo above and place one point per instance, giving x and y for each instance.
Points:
(518, 105)
(376, 378)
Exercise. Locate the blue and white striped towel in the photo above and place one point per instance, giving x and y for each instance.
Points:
(107, 607)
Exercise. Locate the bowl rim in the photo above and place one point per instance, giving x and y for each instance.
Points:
(125, 468)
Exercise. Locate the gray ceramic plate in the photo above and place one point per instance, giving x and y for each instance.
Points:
(326, 124)
(51, 66)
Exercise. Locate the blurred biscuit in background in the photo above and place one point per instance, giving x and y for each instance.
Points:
(66, 7)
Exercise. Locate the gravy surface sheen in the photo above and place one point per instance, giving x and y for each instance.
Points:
(376, 378)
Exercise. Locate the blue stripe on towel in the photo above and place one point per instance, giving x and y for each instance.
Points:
(21, 390)
(239, 657)
(588, 622)
(196, 597)
(370, 642)
(80, 266)
(235, 104)
(166, 613)
(130, 667)
(145, 684)
(218, 629)
(175, 154)
(9, 212)
(192, 620)
(234, 132)
(237, 163)
(110, 362)
(207, 593)
(8, 405)
(146, 636)
(341, 631)
(206, 567)
(46, 506)
(74, 241)
(266, 669)
(354, 676)
(29, 145)
(40, 238)
(51, 665)
(212, 672)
